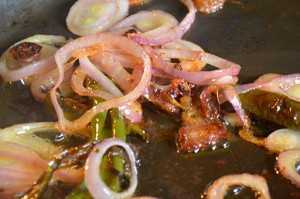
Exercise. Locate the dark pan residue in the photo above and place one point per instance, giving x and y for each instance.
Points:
(261, 35)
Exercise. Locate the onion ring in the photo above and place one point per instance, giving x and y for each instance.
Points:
(150, 23)
(173, 34)
(218, 189)
(287, 162)
(92, 16)
(94, 183)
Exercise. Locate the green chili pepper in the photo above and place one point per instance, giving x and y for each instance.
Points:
(272, 107)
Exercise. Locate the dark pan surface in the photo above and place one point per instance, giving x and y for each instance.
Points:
(261, 35)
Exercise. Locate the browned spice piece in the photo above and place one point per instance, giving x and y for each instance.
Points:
(135, 2)
(201, 128)
(25, 51)
(208, 6)
(166, 99)
(201, 137)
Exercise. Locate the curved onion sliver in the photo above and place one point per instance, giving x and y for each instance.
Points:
(227, 68)
(91, 16)
(132, 111)
(150, 23)
(105, 40)
(283, 139)
(173, 34)
(94, 183)
(287, 162)
(183, 44)
(218, 189)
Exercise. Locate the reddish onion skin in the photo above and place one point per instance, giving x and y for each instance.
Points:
(227, 68)
(218, 189)
(287, 162)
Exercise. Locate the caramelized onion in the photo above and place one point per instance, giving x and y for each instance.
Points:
(288, 161)
(94, 183)
(218, 189)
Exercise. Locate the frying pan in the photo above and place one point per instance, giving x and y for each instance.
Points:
(262, 36)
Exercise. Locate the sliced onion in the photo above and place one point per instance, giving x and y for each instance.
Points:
(179, 53)
(116, 71)
(173, 34)
(229, 93)
(23, 134)
(92, 16)
(287, 162)
(227, 68)
(283, 139)
(77, 84)
(150, 23)
(183, 44)
(65, 53)
(218, 189)
(97, 75)
(94, 183)
(20, 168)
(45, 63)
(131, 111)
(42, 84)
